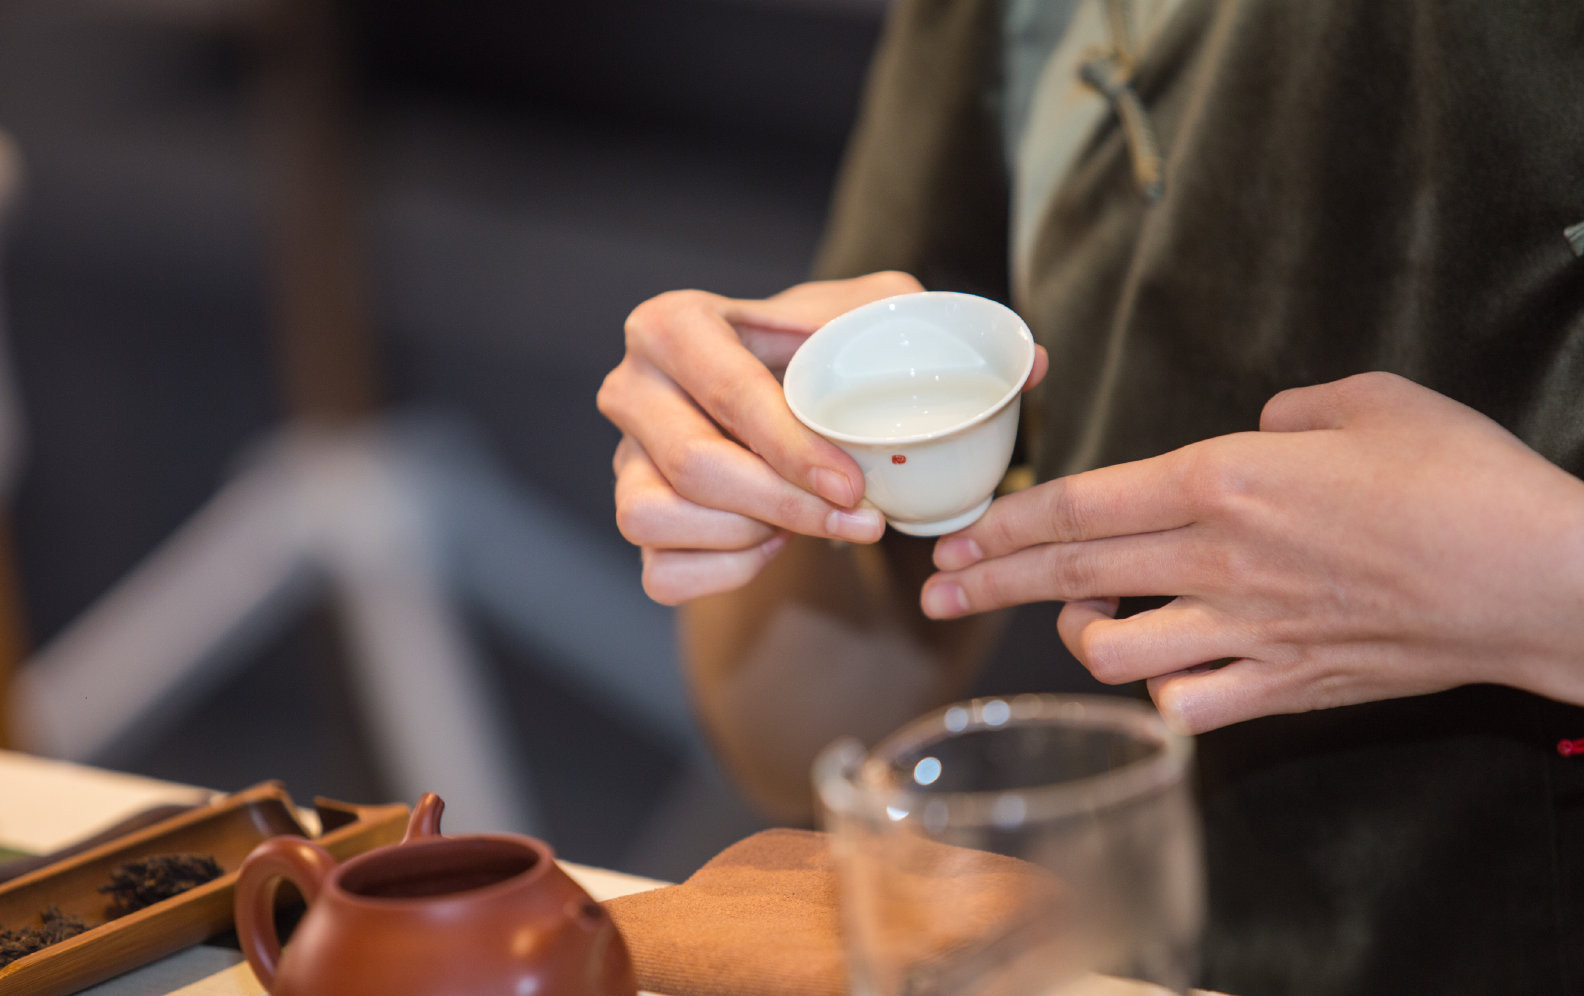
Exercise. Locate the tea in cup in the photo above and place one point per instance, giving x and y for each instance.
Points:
(922, 391)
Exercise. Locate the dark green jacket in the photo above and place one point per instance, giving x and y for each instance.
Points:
(1350, 185)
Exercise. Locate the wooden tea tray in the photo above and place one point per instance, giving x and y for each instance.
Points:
(227, 830)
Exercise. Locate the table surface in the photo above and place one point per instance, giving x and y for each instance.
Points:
(53, 803)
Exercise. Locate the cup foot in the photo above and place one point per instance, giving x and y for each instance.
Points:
(940, 527)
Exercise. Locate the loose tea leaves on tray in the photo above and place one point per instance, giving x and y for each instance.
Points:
(144, 882)
(53, 926)
(133, 885)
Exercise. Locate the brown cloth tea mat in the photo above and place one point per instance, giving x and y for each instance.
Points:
(760, 918)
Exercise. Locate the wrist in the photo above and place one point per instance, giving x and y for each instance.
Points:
(1549, 657)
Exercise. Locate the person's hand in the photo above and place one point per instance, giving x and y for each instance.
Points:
(713, 471)
(1374, 540)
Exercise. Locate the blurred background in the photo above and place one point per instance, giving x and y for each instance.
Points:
(418, 227)
(515, 177)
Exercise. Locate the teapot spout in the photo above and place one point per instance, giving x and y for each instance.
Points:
(425, 819)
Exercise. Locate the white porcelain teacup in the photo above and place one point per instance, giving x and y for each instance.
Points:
(922, 391)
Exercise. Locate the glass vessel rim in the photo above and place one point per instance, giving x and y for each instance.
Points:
(1162, 766)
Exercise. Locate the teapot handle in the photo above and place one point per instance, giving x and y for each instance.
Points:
(299, 860)
(425, 819)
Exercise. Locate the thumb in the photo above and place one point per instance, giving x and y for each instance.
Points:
(1333, 405)
(1209, 697)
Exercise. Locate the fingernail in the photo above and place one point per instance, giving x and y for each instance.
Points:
(834, 487)
(862, 525)
(956, 553)
(945, 600)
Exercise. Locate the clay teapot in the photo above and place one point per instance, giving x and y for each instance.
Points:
(470, 915)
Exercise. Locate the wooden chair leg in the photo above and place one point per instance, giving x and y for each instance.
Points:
(13, 628)
(13, 636)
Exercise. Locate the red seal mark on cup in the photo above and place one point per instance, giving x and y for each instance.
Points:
(898, 458)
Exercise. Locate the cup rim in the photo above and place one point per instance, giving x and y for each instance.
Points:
(541, 856)
(1132, 782)
(1025, 365)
